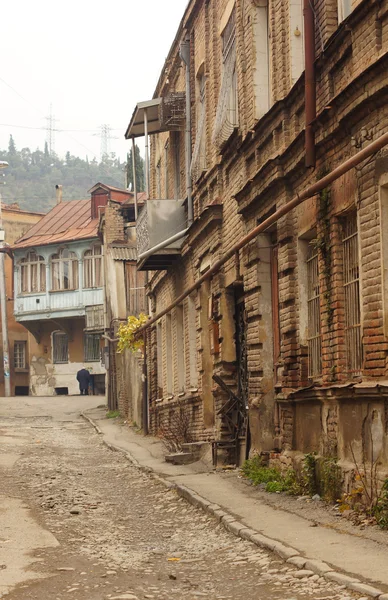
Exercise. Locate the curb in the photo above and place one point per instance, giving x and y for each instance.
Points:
(287, 553)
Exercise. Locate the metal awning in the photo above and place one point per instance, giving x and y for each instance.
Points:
(136, 125)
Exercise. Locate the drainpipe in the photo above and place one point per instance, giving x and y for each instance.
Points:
(164, 244)
(146, 162)
(309, 79)
(184, 52)
(145, 387)
(134, 175)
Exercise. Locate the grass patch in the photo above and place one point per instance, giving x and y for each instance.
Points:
(272, 478)
(112, 414)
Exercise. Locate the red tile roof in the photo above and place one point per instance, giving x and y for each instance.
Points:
(66, 222)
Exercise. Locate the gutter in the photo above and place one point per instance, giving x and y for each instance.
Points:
(308, 192)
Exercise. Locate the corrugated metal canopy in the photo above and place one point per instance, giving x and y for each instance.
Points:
(136, 125)
(122, 253)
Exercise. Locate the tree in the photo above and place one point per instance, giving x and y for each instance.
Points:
(139, 170)
(11, 146)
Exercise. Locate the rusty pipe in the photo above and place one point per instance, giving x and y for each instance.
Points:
(285, 209)
(309, 81)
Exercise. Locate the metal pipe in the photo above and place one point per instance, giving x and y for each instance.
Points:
(170, 240)
(145, 387)
(309, 81)
(185, 56)
(134, 175)
(307, 193)
(3, 303)
(147, 161)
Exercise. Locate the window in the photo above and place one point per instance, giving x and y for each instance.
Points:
(94, 316)
(177, 163)
(179, 348)
(20, 355)
(226, 116)
(64, 271)
(198, 162)
(32, 274)
(91, 347)
(60, 347)
(169, 355)
(93, 267)
(191, 342)
(135, 290)
(344, 9)
(159, 357)
(313, 313)
(351, 271)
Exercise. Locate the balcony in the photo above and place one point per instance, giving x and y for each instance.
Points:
(54, 305)
(158, 221)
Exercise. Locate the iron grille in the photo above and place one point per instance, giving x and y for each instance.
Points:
(60, 347)
(91, 347)
(351, 269)
(314, 343)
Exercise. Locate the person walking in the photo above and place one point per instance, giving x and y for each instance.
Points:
(84, 379)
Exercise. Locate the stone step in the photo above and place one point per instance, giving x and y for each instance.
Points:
(197, 449)
(180, 458)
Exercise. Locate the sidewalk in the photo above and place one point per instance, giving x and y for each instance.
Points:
(243, 512)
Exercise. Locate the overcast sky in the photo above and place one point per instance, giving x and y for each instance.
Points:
(91, 60)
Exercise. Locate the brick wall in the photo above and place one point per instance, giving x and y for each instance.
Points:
(258, 170)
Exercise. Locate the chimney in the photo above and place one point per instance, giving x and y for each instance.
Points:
(59, 193)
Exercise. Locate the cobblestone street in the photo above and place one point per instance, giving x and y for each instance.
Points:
(122, 534)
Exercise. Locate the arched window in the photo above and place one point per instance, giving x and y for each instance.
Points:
(64, 271)
(93, 267)
(32, 274)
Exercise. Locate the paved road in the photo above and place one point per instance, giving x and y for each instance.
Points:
(78, 521)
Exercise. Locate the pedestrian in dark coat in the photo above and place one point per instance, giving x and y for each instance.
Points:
(84, 379)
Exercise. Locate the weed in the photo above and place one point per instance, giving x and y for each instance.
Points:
(112, 414)
(380, 511)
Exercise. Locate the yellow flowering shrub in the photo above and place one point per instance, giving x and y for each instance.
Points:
(126, 334)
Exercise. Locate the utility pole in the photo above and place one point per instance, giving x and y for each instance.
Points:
(106, 136)
(50, 131)
(3, 302)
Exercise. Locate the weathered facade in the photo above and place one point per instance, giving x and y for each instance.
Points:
(124, 295)
(21, 344)
(295, 323)
(58, 295)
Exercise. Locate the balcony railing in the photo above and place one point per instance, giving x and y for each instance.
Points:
(158, 221)
(66, 303)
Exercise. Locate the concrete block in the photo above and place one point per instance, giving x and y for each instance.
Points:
(285, 551)
(234, 526)
(298, 561)
(317, 566)
(340, 578)
(383, 597)
(247, 533)
(363, 588)
(219, 514)
(262, 541)
(211, 508)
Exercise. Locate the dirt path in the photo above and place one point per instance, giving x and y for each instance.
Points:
(121, 534)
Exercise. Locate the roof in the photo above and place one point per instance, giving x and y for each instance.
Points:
(141, 197)
(122, 253)
(104, 186)
(136, 125)
(66, 222)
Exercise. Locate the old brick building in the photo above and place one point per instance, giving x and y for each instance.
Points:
(295, 323)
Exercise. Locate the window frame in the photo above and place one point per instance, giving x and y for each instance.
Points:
(27, 267)
(16, 355)
(314, 326)
(58, 262)
(57, 360)
(91, 275)
(92, 352)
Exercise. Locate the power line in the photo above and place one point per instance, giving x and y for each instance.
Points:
(57, 130)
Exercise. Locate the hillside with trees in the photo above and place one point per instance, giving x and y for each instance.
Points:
(31, 177)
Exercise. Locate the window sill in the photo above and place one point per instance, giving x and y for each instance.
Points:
(63, 291)
(20, 370)
(96, 287)
(25, 294)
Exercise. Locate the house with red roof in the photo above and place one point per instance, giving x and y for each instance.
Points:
(59, 292)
